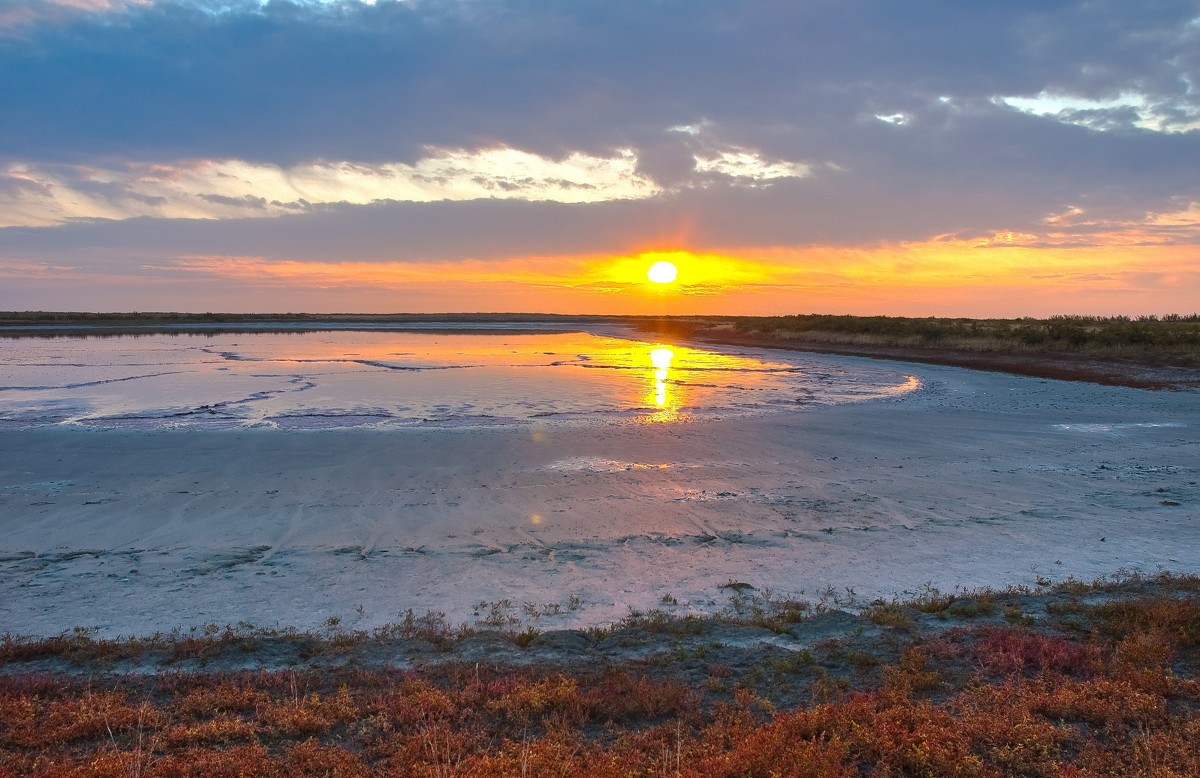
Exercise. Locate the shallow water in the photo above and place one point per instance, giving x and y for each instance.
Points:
(309, 380)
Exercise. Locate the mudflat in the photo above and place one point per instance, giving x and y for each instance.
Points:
(975, 479)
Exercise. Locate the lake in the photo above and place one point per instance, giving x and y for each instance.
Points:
(441, 375)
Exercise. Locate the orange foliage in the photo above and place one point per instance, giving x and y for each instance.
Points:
(989, 702)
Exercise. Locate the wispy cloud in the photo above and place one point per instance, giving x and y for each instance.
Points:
(1129, 109)
(35, 196)
(32, 196)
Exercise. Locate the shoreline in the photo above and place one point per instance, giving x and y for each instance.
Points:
(1138, 366)
(750, 623)
(1130, 372)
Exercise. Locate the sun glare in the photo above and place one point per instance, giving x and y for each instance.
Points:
(661, 359)
(662, 272)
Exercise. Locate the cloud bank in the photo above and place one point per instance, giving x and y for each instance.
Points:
(460, 131)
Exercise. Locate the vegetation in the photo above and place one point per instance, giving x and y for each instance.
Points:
(1100, 680)
(54, 324)
(17, 318)
(1085, 334)
(1143, 351)
(1100, 336)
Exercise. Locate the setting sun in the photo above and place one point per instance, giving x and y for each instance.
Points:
(662, 272)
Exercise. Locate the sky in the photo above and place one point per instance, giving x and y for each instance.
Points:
(871, 157)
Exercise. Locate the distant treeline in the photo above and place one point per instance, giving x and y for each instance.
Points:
(13, 318)
(55, 324)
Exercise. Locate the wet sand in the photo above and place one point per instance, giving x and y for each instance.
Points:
(977, 479)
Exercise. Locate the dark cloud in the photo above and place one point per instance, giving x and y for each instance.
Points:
(824, 210)
(248, 201)
(287, 83)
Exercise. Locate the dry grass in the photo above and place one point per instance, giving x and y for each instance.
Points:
(1116, 695)
(1116, 336)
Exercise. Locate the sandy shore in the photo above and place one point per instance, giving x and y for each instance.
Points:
(976, 479)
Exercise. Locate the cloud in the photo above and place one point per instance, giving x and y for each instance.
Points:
(463, 131)
(33, 196)
(741, 164)
(1123, 111)
(28, 270)
(286, 82)
(1188, 215)
(18, 14)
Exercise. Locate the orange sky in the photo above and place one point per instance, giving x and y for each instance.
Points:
(939, 277)
(947, 277)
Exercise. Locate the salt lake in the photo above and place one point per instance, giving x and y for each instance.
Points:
(442, 376)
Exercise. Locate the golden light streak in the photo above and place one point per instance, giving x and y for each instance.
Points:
(667, 405)
(661, 359)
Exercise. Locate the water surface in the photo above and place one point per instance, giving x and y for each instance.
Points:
(442, 377)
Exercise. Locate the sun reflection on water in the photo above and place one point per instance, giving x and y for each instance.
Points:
(666, 404)
(661, 359)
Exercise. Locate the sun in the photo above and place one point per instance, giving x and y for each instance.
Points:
(662, 272)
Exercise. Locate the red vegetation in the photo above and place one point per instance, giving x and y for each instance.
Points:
(1122, 699)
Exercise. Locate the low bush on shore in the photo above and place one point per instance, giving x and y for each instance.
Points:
(1076, 680)
(1092, 335)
